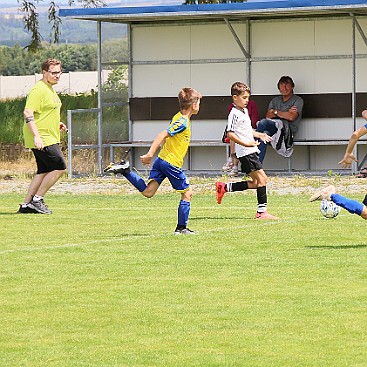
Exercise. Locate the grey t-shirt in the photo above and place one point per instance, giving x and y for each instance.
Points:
(278, 104)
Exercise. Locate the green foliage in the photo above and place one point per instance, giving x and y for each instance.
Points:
(115, 88)
(96, 284)
(11, 123)
(18, 61)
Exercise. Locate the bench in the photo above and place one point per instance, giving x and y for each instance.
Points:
(219, 143)
(147, 144)
(325, 142)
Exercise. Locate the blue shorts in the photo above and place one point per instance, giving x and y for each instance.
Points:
(162, 169)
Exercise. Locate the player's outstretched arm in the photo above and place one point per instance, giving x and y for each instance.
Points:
(349, 157)
(158, 141)
(347, 160)
(264, 137)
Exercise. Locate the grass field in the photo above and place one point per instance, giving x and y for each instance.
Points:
(104, 282)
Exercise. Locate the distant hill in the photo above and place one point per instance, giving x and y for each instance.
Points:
(72, 31)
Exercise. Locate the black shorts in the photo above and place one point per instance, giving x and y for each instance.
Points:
(250, 163)
(49, 159)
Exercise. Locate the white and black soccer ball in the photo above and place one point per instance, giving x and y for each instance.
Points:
(329, 209)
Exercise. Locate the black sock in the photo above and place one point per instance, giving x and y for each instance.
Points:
(237, 186)
(261, 198)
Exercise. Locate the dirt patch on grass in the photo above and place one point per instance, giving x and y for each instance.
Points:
(17, 181)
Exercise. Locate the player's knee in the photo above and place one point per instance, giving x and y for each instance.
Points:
(187, 196)
(148, 194)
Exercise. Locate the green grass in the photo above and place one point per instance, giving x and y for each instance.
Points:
(104, 282)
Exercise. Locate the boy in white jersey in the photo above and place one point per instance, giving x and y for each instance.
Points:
(175, 142)
(239, 130)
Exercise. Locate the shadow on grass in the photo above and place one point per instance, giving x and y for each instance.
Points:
(339, 247)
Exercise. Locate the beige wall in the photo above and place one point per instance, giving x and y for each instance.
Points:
(207, 57)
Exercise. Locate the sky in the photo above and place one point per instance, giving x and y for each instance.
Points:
(110, 2)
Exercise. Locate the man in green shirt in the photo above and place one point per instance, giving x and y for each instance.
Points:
(42, 135)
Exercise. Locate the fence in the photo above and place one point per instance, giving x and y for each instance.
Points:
(70, 83)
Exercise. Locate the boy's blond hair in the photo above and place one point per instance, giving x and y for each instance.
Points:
(187, 97)
(238, 88)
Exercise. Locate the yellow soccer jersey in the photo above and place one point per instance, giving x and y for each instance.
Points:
(175, 147)
(46, 106)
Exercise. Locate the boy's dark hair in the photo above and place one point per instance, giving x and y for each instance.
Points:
(46, 65)
(187, 97)
(238, 88)
(286, 80)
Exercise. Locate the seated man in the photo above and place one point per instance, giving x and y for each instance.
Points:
(287, 108)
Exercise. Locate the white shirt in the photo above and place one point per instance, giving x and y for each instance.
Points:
(239, 122)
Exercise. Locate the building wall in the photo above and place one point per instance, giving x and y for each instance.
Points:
(70, 83)
(316, 53)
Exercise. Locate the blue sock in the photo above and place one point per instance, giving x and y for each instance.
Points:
(183, 213)
(352, 206)
(136, 180)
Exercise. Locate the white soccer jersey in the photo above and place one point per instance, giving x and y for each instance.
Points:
(239, 122)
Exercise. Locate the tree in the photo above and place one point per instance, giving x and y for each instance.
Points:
(31, 20)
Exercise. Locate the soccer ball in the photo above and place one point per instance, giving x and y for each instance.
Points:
(329, 209)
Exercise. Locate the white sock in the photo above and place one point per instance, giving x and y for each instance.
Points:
(37, 198)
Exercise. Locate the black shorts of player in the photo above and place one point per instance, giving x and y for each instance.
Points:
(250, 163)
(49, 159)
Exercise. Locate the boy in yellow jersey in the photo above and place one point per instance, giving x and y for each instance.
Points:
(175, 140)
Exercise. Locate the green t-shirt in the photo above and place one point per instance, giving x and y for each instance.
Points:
(46, 106)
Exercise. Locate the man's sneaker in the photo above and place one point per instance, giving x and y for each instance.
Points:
(233, 172)
(265, 215)
(123, 167)
(184, 231)
(323, 194)
(26, 210)
(220, 187)
(39, 206)
(228, 166)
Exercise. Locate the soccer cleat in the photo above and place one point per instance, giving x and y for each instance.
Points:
(39, 206)
(220, 188)
(184, 231)
(265, 215)
(26, 210)
(323, 194)
(123, 167)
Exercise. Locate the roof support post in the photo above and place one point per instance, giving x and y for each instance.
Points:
(360, 30)
(354, 164)
(248, 45)
(99, 113)
(247, 55)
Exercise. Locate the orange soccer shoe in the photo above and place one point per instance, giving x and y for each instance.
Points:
(265, 215)
(221, 190)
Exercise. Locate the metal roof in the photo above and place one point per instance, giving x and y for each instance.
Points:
(204, 12)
